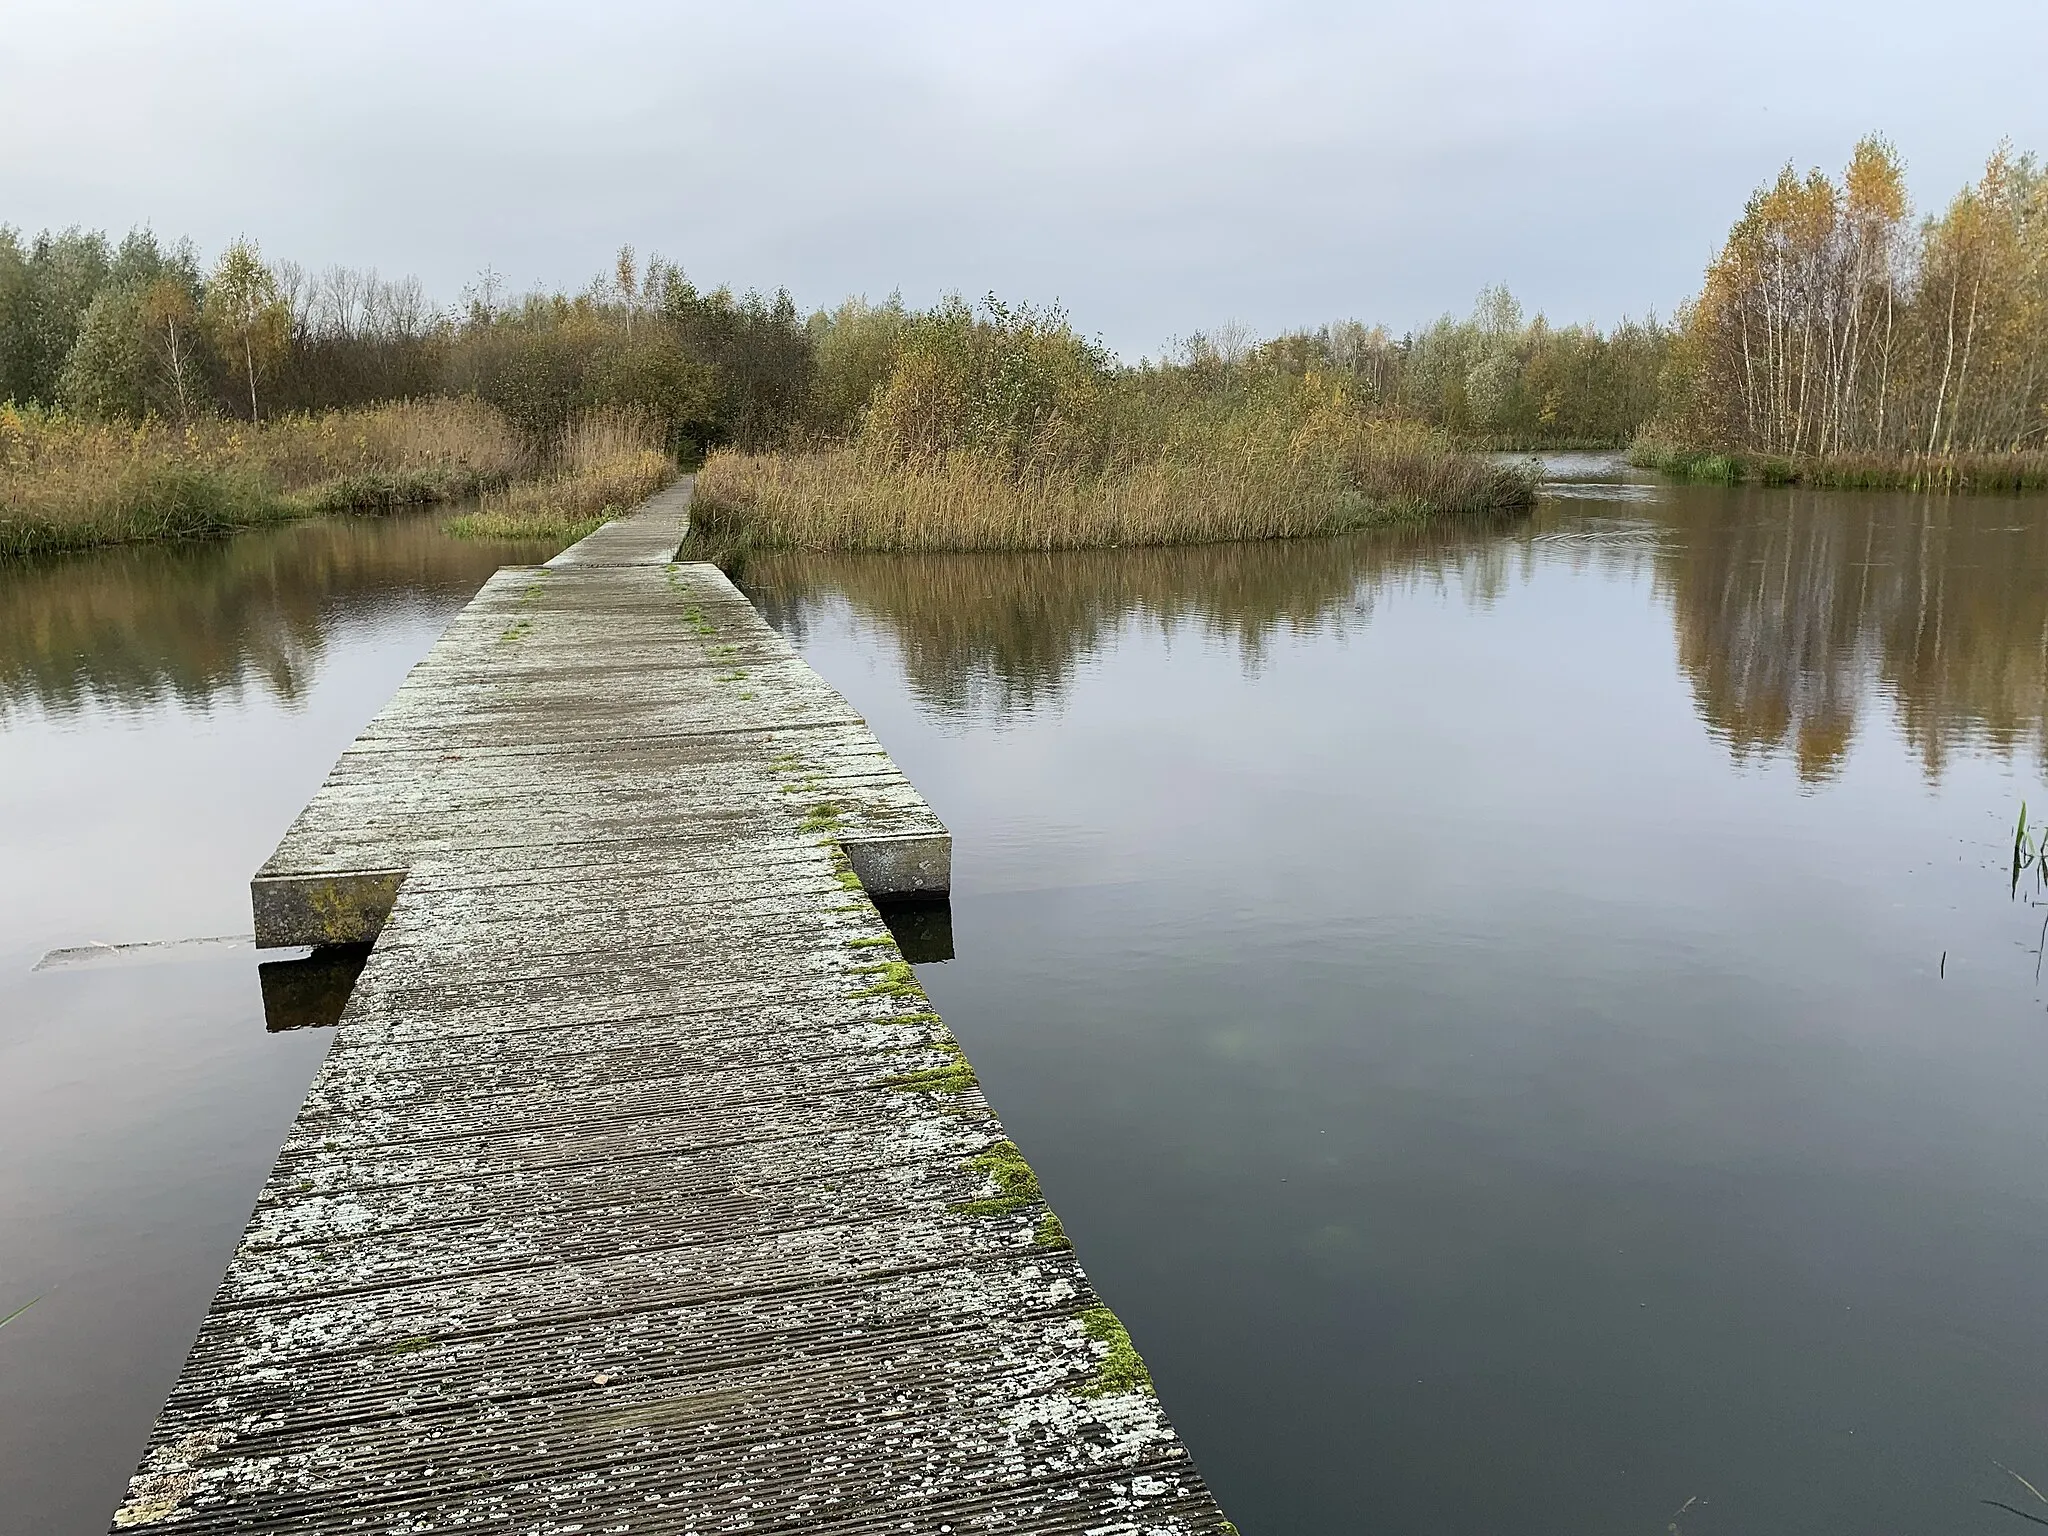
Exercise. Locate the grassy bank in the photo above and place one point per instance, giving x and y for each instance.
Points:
(71, 483)
(1986, 472)
(854, 498)
(603, 465)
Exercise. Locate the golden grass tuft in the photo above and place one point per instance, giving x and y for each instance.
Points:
(606, 463)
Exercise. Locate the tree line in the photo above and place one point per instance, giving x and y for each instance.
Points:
(1834, 325)
(1494, 378)
(143, 328)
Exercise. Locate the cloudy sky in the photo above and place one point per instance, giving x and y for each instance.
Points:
(1158, 168)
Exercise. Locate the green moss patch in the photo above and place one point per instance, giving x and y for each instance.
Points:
(1013, 1177)
(1122, 1369)
(893, 979)
(1050, 1234)
(955, 1076)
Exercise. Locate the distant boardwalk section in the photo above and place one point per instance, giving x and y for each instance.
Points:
(642, 1190)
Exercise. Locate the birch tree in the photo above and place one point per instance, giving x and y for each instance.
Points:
(170, 320)
(246, 313)
(1828, 325)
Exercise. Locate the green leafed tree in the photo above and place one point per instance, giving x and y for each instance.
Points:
(16, 285)
(107, 372)
(249, 321)
(135, 349)
(47, 285)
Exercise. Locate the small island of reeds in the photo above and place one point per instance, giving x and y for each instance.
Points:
(1002, 428)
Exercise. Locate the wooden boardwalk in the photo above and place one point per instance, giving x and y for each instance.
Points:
(642, 1191)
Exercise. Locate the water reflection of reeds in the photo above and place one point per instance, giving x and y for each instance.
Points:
(136, 625)
(1006, 631)
(1794, 610)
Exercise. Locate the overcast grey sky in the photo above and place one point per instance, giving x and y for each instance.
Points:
(1159, 168)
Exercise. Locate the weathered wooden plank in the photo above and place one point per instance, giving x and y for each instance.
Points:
(648, 538)
(642, 1191)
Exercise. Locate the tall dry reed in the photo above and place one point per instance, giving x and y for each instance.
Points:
(605, 463)
(1257, 487)
(71, 483)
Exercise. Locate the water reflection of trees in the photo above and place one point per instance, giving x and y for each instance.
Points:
(1791, 607)
(1795, 611)
(135, 626)
(1005, 632)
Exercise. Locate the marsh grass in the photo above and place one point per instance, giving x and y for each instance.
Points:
(604, 464)
(1001, 428)
(71, 483)
(1982, 472)
(1273, 486)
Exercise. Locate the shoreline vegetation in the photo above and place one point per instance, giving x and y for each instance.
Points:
(2006, 473)
(849, 498)
(69, 483)
(1838, 343)
(157, 398)
(1835, 342)
(606, 463)
(1002, 428)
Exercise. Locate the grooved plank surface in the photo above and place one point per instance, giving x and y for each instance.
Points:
(642, 1190)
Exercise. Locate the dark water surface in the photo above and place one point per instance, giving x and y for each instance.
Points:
(1478, 1002)
(1530, 1027)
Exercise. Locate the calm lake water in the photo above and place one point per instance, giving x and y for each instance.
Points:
(1530, 1026)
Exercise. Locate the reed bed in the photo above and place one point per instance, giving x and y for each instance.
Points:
(604, 464)
(854, 497)
(73, 483)
(1983, 472)
(1990, 473)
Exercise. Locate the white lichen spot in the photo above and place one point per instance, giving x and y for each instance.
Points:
(167, 1479)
